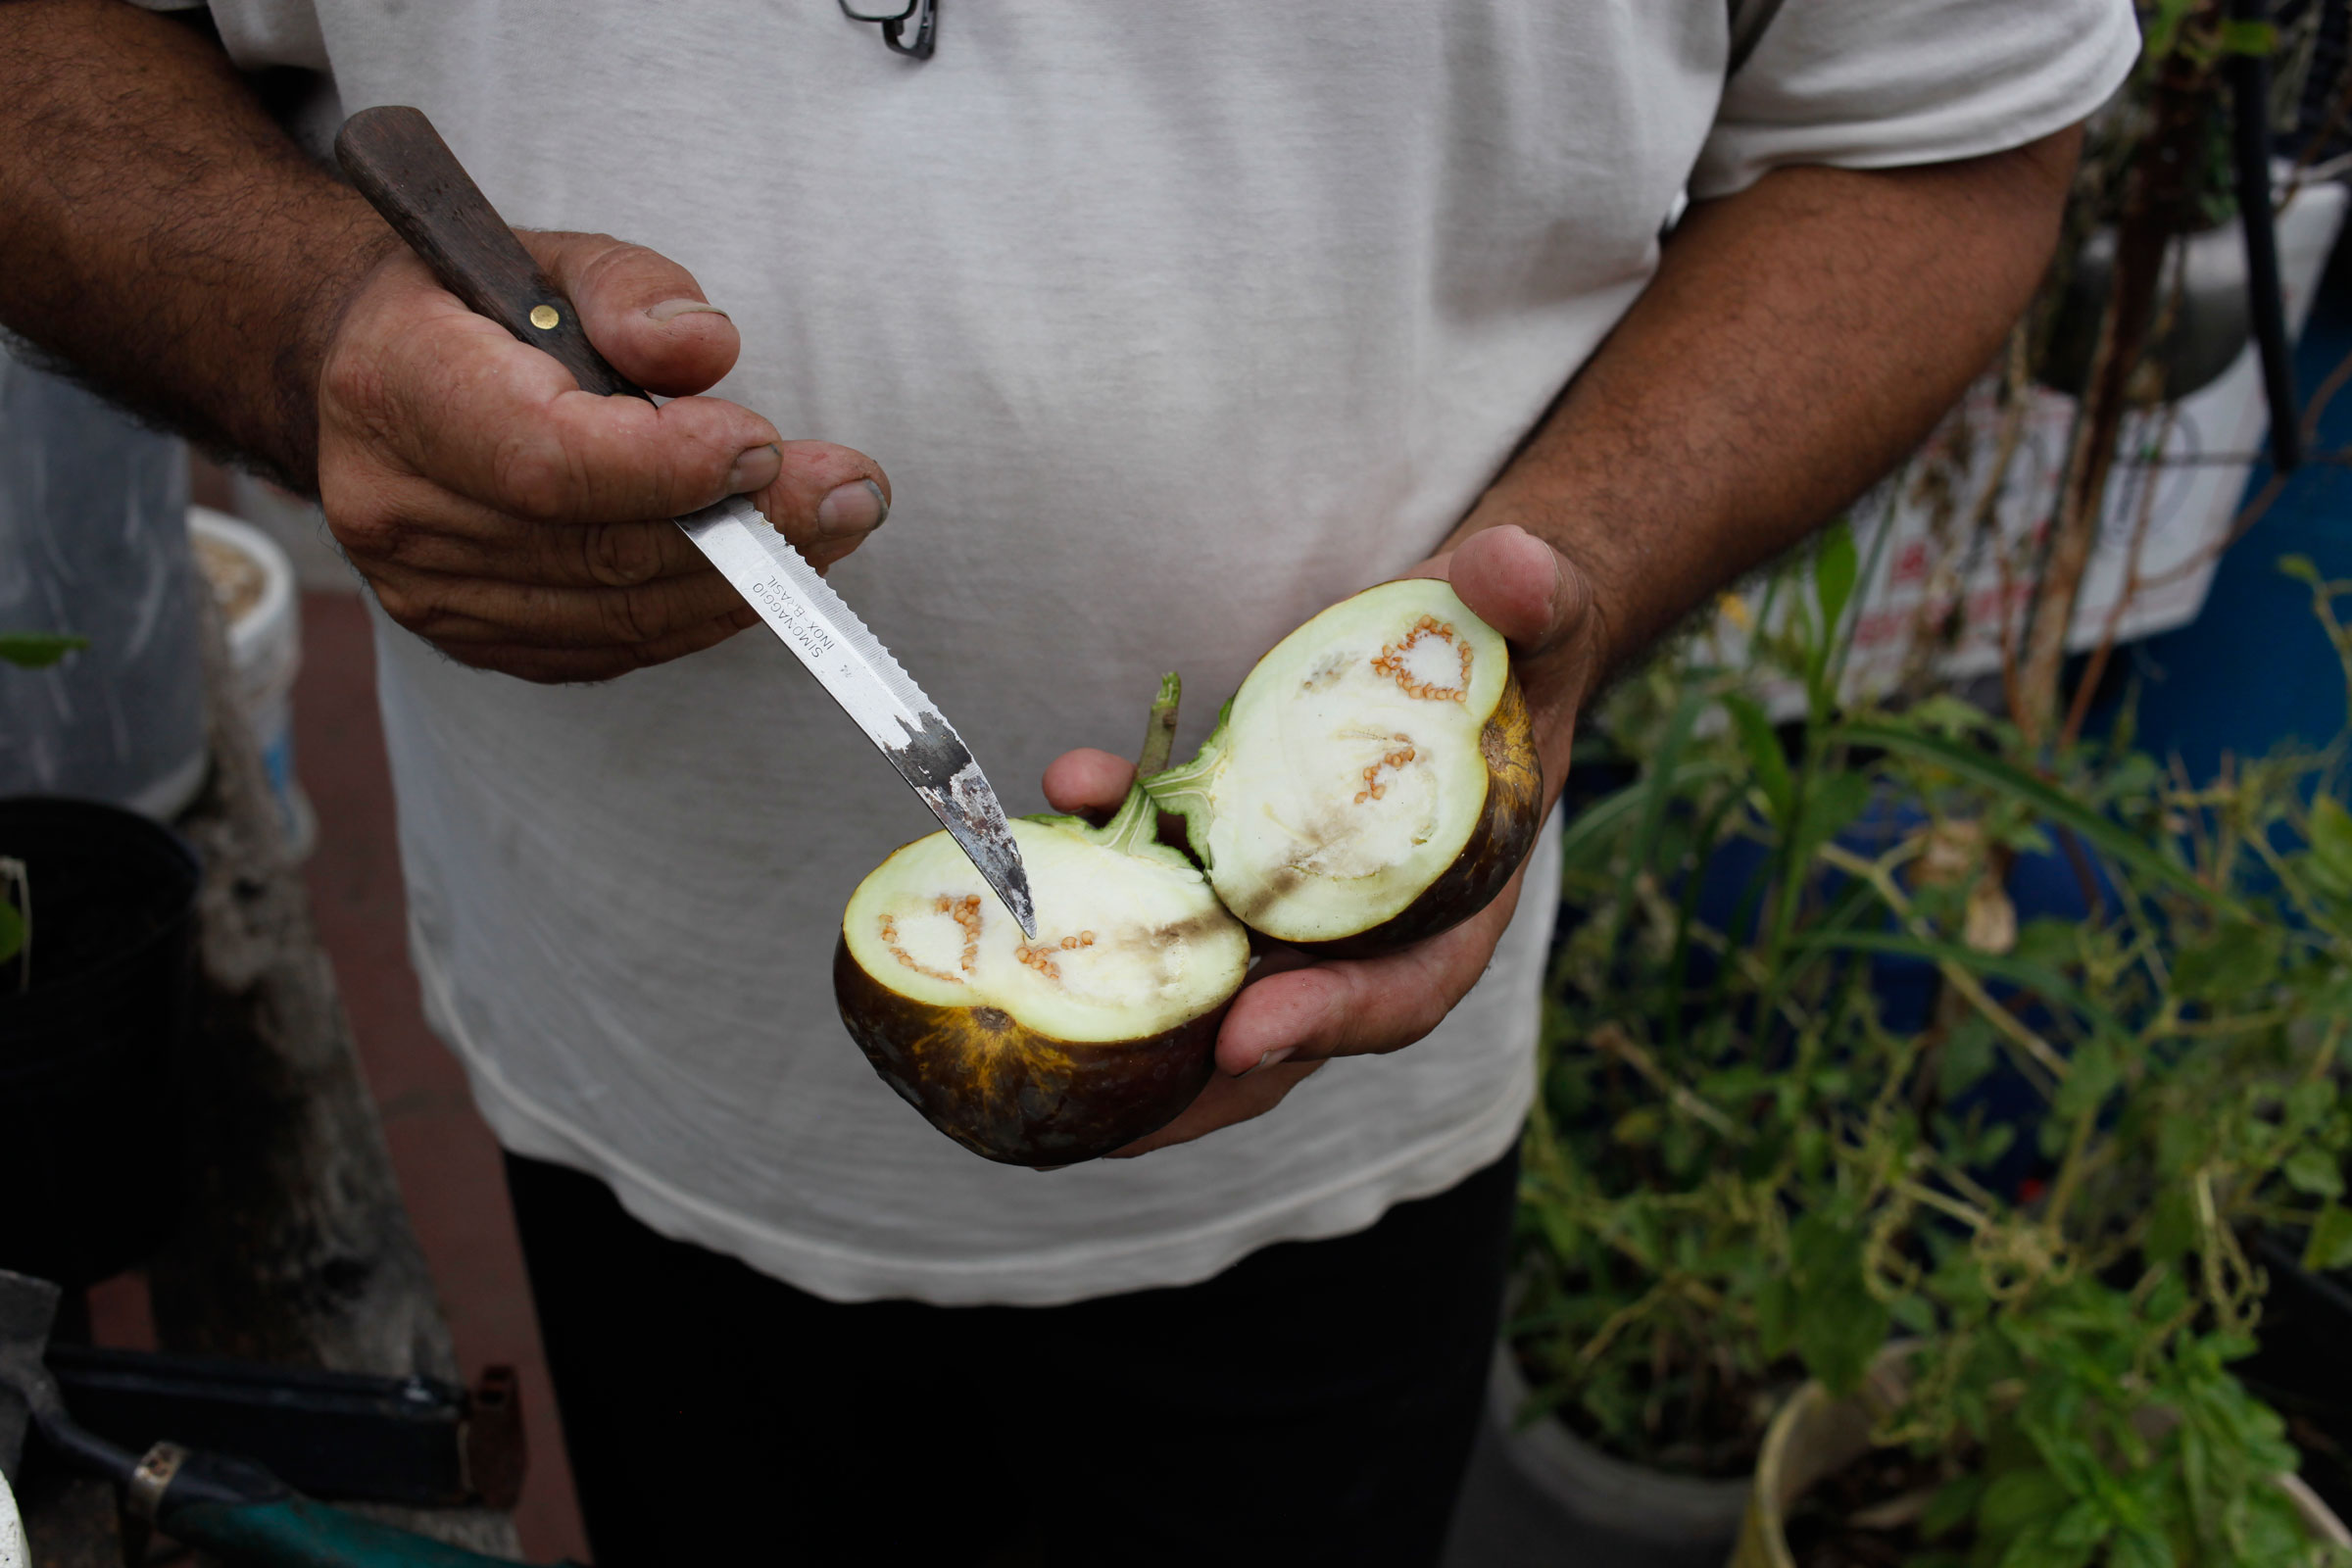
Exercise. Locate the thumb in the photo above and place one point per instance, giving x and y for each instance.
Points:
(1087, 782)
(1544, 605)
(1524, 589)
(642, 311)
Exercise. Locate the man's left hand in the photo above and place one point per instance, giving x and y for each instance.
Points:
(1297, 1013)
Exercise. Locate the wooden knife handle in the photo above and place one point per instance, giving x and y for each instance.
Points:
(402, 166)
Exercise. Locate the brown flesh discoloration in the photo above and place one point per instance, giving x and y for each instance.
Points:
(1506, 829)
(1391, 661)
(1010, 1094)
(1275, 886)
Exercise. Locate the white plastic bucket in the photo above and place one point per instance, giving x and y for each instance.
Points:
(12, 1533)
(91, 543)
(252, 582)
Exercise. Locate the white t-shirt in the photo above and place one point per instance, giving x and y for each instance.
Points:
(1172, 323)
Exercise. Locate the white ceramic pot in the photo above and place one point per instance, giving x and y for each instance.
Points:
(254, 582)
(1671, 1516)
(12, 1533)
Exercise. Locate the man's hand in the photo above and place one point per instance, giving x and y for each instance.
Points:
(1297, 1013)
(522, 525)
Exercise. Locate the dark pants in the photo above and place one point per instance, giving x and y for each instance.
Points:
(1315, 1403)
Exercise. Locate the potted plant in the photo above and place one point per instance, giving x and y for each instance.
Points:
(1675, 1274)
(1829, 1000)
(1760, 1149)
(2304, 1366)
(97, 970)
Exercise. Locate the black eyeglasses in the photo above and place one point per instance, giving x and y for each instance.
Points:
(898, 19)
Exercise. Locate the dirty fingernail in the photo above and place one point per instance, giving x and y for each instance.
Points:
(671, 310)
(1272, 1058)
(854, 508)
(756, 470)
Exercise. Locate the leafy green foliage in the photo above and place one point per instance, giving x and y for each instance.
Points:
(15, 926)
(1738, 1174)
(1841, 1323)
(38, 649)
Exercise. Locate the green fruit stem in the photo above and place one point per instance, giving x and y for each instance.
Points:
(1159, 738)
(1138, 822)
(1183, 791)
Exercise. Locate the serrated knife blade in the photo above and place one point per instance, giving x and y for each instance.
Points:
(850, 662)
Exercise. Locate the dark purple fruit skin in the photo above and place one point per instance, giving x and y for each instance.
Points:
(1009, 1094)
(1506, 829)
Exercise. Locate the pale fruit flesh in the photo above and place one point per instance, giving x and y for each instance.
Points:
(1353, 768)
(1047, 1052)
(1128, 945)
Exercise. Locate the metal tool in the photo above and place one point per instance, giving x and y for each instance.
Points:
(342, 1437)
(238, 1511)
(402, 166)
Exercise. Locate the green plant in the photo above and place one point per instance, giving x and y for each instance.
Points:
(15, 919)
(39, 650)
(27, 650)
(1743, 1170)
(1752, 1160)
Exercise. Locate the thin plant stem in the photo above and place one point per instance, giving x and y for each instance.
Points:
(1957, 977)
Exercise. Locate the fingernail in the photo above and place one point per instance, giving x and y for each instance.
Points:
(852, 510)
(671, 310)
(756, 470)
(1272, 1058)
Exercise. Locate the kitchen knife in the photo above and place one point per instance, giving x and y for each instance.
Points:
(402, 166)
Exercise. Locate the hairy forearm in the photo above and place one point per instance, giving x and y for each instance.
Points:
(161, 236)
(1799, 339)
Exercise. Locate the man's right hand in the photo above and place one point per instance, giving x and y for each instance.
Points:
(174, 245)
(522, 525)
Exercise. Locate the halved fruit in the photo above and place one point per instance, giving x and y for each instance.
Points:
(1059, 1049)
(1374, 781)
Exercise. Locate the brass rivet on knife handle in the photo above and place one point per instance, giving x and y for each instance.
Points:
(399, 161)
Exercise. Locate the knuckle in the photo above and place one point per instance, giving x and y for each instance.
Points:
(416, 608)
(369, 533)
(632, 618)
(618, 555)
(1416, 1025)
(353, 382)
(532, 478)
(618, 260)
(404, 607)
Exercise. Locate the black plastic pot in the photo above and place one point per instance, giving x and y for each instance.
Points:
(2304, 1368)
(90, 1125)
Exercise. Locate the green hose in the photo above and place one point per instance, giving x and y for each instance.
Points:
(293, 1532)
